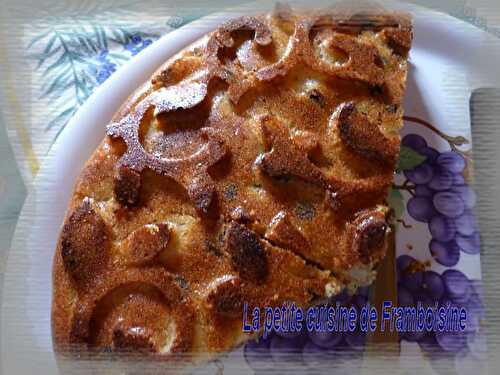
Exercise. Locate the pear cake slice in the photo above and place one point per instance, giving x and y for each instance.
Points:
(252, 168)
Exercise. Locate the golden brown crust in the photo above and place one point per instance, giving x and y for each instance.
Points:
(251, 169)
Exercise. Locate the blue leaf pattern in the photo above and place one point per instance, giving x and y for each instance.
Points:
(75, 60)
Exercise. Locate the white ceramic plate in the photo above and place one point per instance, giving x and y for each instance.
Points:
(447, 61)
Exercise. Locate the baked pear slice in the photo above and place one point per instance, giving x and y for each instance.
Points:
(251, 169)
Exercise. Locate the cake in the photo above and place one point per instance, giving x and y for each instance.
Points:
(252, 168)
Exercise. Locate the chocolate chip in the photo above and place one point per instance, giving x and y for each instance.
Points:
(376, 90)
(182, 282)
(317, 97)
(305, 211)
(230, 192)
(392, 108)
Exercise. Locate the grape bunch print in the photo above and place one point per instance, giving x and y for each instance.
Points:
(438, 194)
(317, 351)
(447, 352)
(441, 197)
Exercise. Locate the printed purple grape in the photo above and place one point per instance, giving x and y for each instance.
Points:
(356, 339)
(363, 291)
(414, 335)
(442, 229)
(441, 180)
(458, 180)
(402, 263)
(257, 354)
(343, 296)
(421, 209)
(466, 223)
(433, 285)
(421, 174)
(445, 253)
(285, 350)
(428, 343)
(451, 341)
(325, 339)
(431, 153)
(423, 191)
(359, 301)
(412, 280)
(405, 298)
(466, 194)
(316, 356)
(421, 298)
(457, 286)
(451, 161)
(448, 204)
(469, 244)
(414, 141)
(291, 334)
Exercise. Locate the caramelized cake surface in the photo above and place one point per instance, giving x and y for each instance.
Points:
(252, 168)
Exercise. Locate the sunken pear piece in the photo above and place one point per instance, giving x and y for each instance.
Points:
(252, 168)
